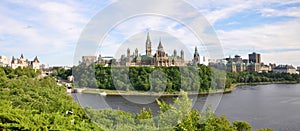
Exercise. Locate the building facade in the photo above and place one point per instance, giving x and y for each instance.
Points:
(160, 58)
(23, 63)
(87, 60)
(285, 69)
(254, 58)
(4, 61)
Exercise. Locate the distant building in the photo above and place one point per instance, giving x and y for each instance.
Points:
(35, 64)
(23, 63)
(272, 66)
(237, 58)
(196, 58)
(246, 61)
(235, 67)
(254, 58)
(253, 67)
(285, 69)
(160, 58)
(231, 67)
(265, 68)
(4, 61)
(240, 67)
(204, 60)
(105, 60)
(87, 60)
(298, 68)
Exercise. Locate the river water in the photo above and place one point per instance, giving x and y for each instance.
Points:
(275, 106)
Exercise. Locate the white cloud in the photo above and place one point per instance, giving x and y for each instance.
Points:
(279, 36)
(270, 12)
(43, 28)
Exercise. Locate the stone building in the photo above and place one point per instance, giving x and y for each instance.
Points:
(196, 58)
(253, 67)
(35, 64)
(23, 63)
(87, 60)
(4, 61)
(231, 67)
(285, 69)
(160, 58)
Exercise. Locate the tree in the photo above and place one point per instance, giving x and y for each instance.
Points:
(242, 126)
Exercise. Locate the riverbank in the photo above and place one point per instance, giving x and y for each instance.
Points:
(233, 86)
(144, 93)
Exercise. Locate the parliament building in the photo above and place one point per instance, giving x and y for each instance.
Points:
(160, 58)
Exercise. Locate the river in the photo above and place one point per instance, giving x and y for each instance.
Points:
(275, 106)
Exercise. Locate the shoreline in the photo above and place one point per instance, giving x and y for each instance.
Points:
(140, 93)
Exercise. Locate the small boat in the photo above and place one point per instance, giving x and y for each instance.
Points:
(103, 93)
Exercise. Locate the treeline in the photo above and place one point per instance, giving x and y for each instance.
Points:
(167, 79)
(251, 77)
(177, 117)
(157, 79)
(61, 72)
(28, 103)
(14, 73)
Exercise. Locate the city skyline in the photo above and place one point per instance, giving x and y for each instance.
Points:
(50, 30)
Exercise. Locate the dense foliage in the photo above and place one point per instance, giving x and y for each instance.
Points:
(250, 77)
(157, 79)
(61, 72)
(176, 117)
(28, 103)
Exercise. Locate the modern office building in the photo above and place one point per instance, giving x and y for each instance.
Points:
(254, 58)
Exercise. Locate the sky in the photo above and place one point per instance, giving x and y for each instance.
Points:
(51, 29)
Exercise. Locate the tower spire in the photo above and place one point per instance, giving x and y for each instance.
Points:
(160, 45)
(148, 45)
(148, 36)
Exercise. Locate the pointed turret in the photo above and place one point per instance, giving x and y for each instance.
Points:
(196, 56)
(136, 52)
(36, 59)
(196, 51)
(182, 55)
(160, 47)
(13, 59)
(175, 53)
(22, 56)
(148, 37)
(128, 52)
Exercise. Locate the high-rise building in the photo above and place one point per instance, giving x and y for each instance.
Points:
(254, 58)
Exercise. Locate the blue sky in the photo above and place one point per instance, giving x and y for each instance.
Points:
(51, 29)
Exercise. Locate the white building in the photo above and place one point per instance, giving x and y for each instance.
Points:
(23, 63)
(4, 61)
(35, 64)
(285, 69)
(204, 60)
